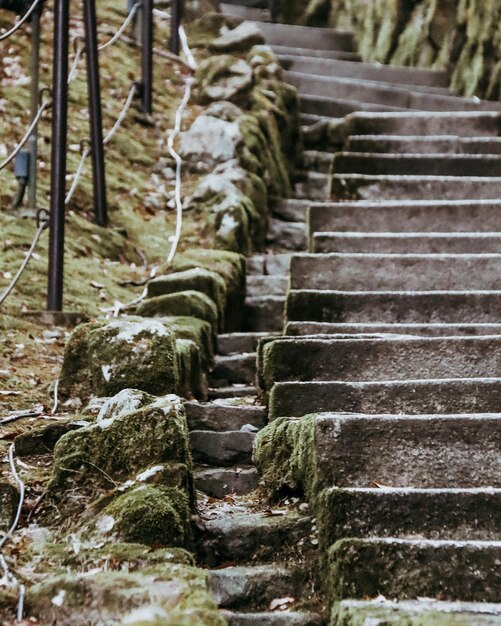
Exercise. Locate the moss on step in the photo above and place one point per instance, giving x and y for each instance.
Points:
(182, 303)
(192, 374)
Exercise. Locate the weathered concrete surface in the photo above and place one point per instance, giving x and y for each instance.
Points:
(412, 396)
(421, 330)
(303, 37)
(396, 272)
(222, 448)
(218, 482)
(439, 144)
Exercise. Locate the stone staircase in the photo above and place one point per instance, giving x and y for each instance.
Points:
(387, 266)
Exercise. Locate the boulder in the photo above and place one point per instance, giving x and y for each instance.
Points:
(183, 303)
(239, 39)
(224, 77)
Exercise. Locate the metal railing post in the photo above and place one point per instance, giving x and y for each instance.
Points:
(34, 104)
(147, 57)
(58, 155)
(175, 20)
(96, 121)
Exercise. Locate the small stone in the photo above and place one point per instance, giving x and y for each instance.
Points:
(240, 39)
(303, 507)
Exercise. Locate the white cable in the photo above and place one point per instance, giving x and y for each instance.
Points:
(165, 15)
(56, 400)
(123, 114)
(186, 49)
(122, 28)
(74, 67)
(18, 25)
(77, 176)
(20, 145)
(20, 483)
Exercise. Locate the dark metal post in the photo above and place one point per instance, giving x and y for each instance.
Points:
(96, 121)
(58, 154)
(175, 20)
(147, 56)
(34, 103)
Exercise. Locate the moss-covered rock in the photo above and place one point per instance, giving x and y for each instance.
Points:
(224, 77)
(105, 356)
(183, 303)
(131, 433)
(192, 375)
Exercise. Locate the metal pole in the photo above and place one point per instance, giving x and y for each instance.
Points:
(147, 56)
(96, 121)
(175, 20)
(34, 95)
(58, 155)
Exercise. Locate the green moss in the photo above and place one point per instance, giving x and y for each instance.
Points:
(105, 356)
(192, 376)
(118, 447)
(182, 303)
(196, 330)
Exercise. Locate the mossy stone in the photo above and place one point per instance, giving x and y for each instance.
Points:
(196, 330)
(105, 356)
(183, 303)
(192, 376)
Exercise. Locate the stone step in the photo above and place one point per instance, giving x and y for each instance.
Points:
(253, 587)
(382, 93)
(247, 536)
(312, 186)
(457, 514)
(316, 107)
(417, 77)
(233, 391)
(222, 448)
(381, 188)
(223, 415)
(416, 164)
(396, 272)
(234, 343)
(389, 357)
(316, 54)
(411, 243)
(221, 481)
(446, 307)
(288, 235)
(307, 37)
(274, 618)
(420, 330)
(427, 396)
(246, 13)
(264, 314)
(435, 216)
(464, 124)
(439, 144)
(234, 368)
(408, 569)
(424, 451)
(432, 612)
(291, 210)
(318, 161)
(269, 264)
(265, 285)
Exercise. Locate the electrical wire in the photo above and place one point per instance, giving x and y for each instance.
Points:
(23, 141)
(18, 25)
(122, 28)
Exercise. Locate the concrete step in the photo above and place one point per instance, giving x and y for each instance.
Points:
(265, 285)
(222, 448)
(312, 186)
(440, 144)
(251, 537)
(274, 618)
(233, 391)
(269, 264)
(396, 272)
(418, 330)
(389, 357)
(307, 37)
(416, 397)
(428, 216)
(317, 54)
(382, 94)
(234, 343)
(291, 210)
(349, 612)
(411, 243)
(457, 514)
(417, 77)
(264, 314)
(318, 161)
(234, 368)
(219, 482)
(288, 235)
(416, 164)
(408, 569)
(223, 415)
(464, 124)
(424, 451)
(381, 188)
(246, 13)
(316, 107)
(425, 307)
(253, 587)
